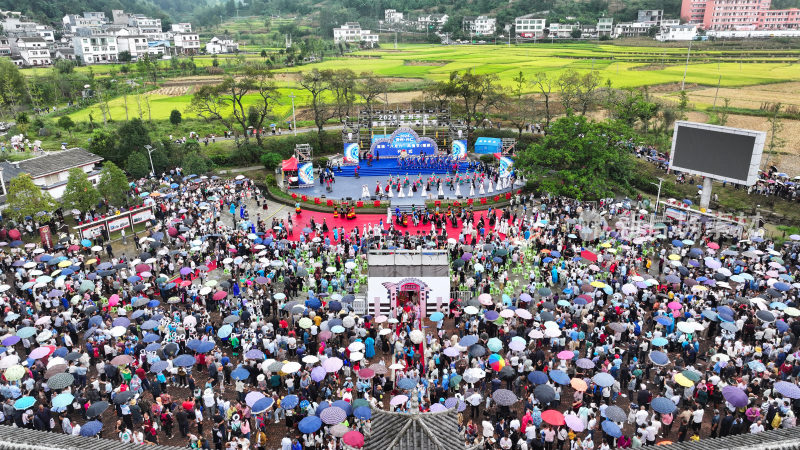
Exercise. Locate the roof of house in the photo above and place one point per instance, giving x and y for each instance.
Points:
(424, 431)
(780, 439)
(15, 438)
(52, 162)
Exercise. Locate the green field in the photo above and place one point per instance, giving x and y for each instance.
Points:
(625, 66)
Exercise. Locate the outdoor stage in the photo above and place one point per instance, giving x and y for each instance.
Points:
(345, 187)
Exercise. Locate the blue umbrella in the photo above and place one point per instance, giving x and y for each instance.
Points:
(537, 377)
(63, 399)
(659, 342)
(663, 405)
(150, 337)
(153, 347)
(559, 377)
(437, 316)
(788, 390)
(86, 243)
(289, 402)
(363, 413)
(603, 379)
(345, 406)
(225, 331)
(150, 325)
(468, 340)
(781, 286)
(659, 358)
(24, 403)
(322, 406)
(240, 373)
(60, 352)
(91, 428)
(136, 314)
(205, 347)
(664, 320)
(184, 361)
(262, 405)
(310, 424)
(611, 429)
(677, 243)
(406, 383)
(26, 332)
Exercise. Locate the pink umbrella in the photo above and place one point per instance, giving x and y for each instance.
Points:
(523, 313)
(713, 245)
(674, 306)
(219, 295)
(485, 299)
(113, 300)
(398, 400)
(353, 439)
(39, 353)
(574, 423)
(142, 267)
(565, 354)
(332, 364)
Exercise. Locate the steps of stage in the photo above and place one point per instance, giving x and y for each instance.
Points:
(390, 167)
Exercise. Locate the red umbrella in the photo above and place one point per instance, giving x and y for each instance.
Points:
(553, 417)
(586, 254)
(73, 248)
(219, 295)
(353, 439)
(283, 324)
(188, 406)
(366, 374)
(142, 267)
(172, 231)
(14, 234)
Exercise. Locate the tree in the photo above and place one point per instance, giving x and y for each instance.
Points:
(264, 54)
(587, 90)
(776, 142)
(370, 88)
(175, 117)
(66, 123)
(113, 184)
(683, 105)
(79, 193)
(581, 159)
(124, 56)
(545, 86)
(195, 163)
(132, 136)
(575, 33)
(138, 165)
(521, 110)
(12, 86)
(474, 94)
(317, 84)
(103, 143)
(343, 86)
(27, 199)
(271, 160)
(568, 87)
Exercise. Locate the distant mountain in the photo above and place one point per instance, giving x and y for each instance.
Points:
(51, 11)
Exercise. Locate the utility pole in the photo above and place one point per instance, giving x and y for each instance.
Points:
(149, 149)
(294, 118)
(658, 198)
(686, 67)
(716, 92)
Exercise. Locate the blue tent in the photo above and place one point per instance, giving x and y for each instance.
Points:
(487, 145)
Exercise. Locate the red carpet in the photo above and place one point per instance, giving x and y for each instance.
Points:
(302, 220)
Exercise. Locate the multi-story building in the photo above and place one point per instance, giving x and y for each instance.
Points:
(31, 51)
(73, 22)
(632, 29)
(739, 15)
(186, 43)
(605, 26)
(96, 49)
(146, 25)
(5, 46)
(352, 32)
(561, 30)
(436, 21)
(392, 16)
(529, 26)
(135, 44)
(686, 32)
(650, 16)
(183, 27)
(479, 26)
(219, 45)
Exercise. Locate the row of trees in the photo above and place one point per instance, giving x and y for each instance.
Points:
(25, 199)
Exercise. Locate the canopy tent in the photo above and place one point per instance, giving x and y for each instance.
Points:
(487, 145)
(289, 164)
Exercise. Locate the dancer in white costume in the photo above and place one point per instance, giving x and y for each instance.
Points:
(458, 189)
(490, 190)
(471, 190)
(481, 190)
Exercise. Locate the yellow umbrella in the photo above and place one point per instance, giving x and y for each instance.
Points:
(15, 372)
(699, 288)
(674, 257)
(55, 273)
(91, 261)
(598, 284)
(682, 380)
(605, 245)
(65, 264)
(792, 311)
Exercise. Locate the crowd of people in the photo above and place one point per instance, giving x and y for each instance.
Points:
(228, 330)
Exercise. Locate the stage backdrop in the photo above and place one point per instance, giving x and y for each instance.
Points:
(434, 292)
(305, 173)
(460, 148)
(403, 140)
(506, 166)
(351, 151)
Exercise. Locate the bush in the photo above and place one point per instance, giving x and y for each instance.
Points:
(487, 159)
(137, 165)
(175, 117)
(196, 164)
(271, 160)
(270, 181)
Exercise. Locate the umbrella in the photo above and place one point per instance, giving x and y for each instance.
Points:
(788, 390)
(585, 363)
(406, 383)
(659, 358)
(262, 405)
(735, 396)
(184, 361)
(92, 428)
(353, 438)
(310, 424)
(616, 413)
(333, 415)
(24, 403)
(60, 381)
(123, 397)
(578, 384)
(611, 429)
(559, 377)
(603, 379)
(574, 423)
(537, 377)
(252, 397)
(398, 400)
(363, 413)
(95, 409)
(544, 393)
(504, 397)
(553, 417)
(663, 405)
(62, 400)
(240, 373)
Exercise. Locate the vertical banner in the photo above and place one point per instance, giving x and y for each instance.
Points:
(351, 153)
(506, 164)
(305, 173)
(46, 237)
(460, 149)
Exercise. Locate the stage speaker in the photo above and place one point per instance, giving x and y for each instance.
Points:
(459, 197)
(322, 196)
(349, 199)
(441, 197)
(373, 198)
